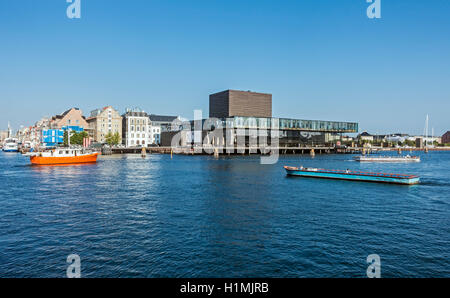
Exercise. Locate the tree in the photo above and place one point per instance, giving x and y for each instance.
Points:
(76, 138)
(112, 139)
(410, 143)
(65, 138)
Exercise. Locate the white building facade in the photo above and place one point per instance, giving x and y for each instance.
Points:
(137, 129)
(155, 132)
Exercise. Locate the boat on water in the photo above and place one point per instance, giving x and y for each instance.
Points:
(10, 145)
(353, 175)
(61, 156)
(407, 158)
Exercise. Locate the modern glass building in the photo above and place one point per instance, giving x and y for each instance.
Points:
(289, 124)
(239, 117)
(289, 132)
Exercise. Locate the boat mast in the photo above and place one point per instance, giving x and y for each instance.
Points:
(426, 131)
(432, 136)
(68, 136)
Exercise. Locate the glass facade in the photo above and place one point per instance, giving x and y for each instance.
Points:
(77, 129)
(285, 124)
(52, 137)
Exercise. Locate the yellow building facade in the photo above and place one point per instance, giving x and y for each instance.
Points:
(104, 121)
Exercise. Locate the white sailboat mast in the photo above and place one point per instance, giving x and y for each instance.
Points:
(68, 137)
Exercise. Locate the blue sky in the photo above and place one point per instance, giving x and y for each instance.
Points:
(321, 59)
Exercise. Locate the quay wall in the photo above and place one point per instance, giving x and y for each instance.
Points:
(249, 150)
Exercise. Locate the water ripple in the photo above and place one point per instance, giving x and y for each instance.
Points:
(195, 216)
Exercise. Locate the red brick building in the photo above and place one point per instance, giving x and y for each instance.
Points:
(446, 138)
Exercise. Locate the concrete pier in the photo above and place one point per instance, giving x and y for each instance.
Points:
(220, 150)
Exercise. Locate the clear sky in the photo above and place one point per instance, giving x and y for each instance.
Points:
(321, 59)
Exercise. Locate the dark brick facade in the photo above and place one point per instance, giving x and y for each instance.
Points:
(232, 103)
(446, 138)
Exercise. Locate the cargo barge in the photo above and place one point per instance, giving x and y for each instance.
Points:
(353, 175)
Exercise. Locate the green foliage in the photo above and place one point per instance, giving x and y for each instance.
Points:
(410, 143)
(65, 138)
(76, 138)
(112, 139)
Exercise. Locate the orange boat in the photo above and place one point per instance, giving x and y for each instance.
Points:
(63, 156)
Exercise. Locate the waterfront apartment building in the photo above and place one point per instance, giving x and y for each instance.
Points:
(365, 137)
(136, 128)
(104, 121)
(32, 136)
(71, 118)
(3, 135)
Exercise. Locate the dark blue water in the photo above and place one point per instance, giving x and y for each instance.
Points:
(232, 217)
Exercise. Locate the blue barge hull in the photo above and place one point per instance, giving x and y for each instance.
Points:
(353, 175)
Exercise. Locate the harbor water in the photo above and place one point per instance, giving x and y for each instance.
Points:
(197, 216)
